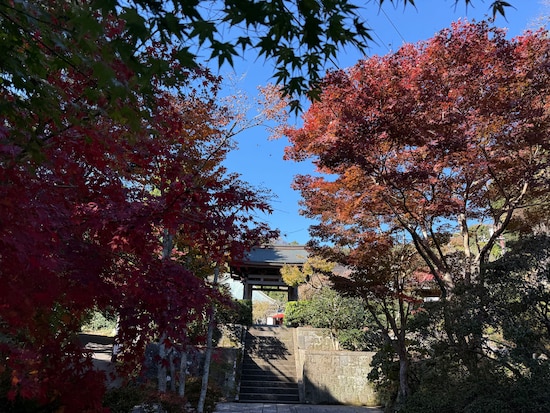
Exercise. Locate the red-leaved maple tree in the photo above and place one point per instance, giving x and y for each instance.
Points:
(431, 140)
(86, 202)
(447, 137)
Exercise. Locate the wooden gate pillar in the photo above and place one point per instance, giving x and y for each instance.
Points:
(247, 291)
(292, 293)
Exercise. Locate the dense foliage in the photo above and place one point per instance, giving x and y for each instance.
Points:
(298, 37)
(344, 318)
(111, 143)
(91, 199)
(441, 147)
(511, 309)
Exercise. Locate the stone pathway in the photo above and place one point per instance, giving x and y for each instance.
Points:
(290, 408)
(102, 347)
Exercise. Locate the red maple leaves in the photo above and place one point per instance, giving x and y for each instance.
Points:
(85, 198)
(429, 140)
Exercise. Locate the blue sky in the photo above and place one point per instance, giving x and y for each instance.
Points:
(260, 161)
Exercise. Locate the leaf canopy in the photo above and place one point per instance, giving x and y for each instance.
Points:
(301, 37)
(435, 138)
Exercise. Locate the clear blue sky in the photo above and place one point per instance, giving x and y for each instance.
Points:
(260, 161)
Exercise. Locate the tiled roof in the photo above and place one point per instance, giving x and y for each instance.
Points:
(276, 255)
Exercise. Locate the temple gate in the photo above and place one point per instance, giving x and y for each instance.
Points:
(261, 269)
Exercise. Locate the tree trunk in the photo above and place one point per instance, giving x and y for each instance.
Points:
(208, 354)
(167, 245)
(403, 393)
(172, 370)
(400, 348)
(161, 368)
(182, 372)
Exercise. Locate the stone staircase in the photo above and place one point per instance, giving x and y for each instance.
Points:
(268, 368)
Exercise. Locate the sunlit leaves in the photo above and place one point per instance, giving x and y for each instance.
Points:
(434, 138)
(294, 276)
(287, 31)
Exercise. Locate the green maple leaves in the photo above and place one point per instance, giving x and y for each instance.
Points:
(299, 36)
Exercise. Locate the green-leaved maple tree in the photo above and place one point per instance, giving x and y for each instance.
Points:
(299, 37)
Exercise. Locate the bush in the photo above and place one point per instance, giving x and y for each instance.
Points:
(244, 312)
(446, 388)
(124, 399)
(354, 339)
(193, 391)
(297, 313)
(384, 376)
(98, 321)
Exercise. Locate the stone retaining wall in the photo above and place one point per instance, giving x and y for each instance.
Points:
(328, 376)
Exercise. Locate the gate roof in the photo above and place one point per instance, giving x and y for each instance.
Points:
(276, 255)
(270, 259)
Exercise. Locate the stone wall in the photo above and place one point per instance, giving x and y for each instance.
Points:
(328, 376)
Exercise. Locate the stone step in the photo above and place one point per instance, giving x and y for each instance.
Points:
(290, 389)
(275, 331)
(268, 369)
(264, 355)
(258, 350)
(269, 353)
(267, 359)
(269, 329)
(268, 339)
(267, 342)
(282, 368)
(269, 378)
(245, 384)
(269, 398)
(290, 372)
(275, 364)
(267, 365)
(278, 332)
(263, 377)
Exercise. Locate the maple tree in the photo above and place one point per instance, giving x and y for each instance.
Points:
(86, 214)
(311, 272)
(431, 141)
(100, 162)
(386, 276)
(299, 37)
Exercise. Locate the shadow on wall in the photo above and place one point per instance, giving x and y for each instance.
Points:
(338, 379)
(328, 376)
(318, 394)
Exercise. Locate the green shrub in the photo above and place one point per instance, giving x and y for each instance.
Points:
(448, 388)
(244, 312)
(193, 391)
(98, 321)
(357, 340)
(123, 399)
(297, 313)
